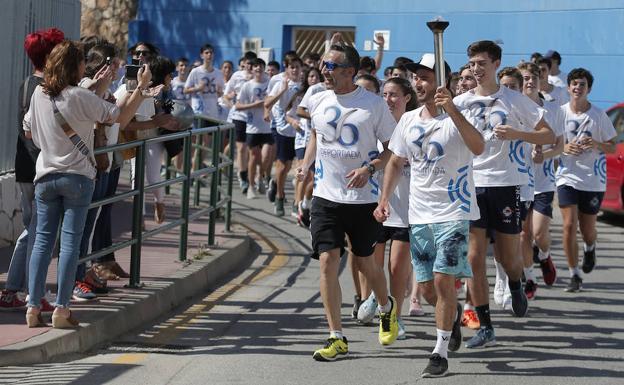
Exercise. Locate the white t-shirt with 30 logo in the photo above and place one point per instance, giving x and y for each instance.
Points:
(348, 127)
(205, 101)
(251, 92)
(442, 187)
(588, 171)
(502, 162)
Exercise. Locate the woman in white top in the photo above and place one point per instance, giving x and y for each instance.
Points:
(400, 97)
(65, 171)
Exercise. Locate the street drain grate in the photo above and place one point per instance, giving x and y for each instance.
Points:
(146, 347)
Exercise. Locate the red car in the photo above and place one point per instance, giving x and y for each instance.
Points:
(613, 198)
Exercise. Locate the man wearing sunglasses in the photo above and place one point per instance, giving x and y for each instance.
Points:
(347, 122)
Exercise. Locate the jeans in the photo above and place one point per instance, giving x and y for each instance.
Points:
(99, 191)
(102, 234)
(17, 276)
(58, 195)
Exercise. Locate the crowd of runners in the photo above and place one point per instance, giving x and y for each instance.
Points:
(439, 173)
(384, 165)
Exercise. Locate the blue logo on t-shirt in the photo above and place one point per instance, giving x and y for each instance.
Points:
(339, 126)
(549, 170)
(318, 172)
(458, 190)
(516, 154)
(600, 168)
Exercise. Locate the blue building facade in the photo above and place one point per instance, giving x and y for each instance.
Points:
(585, 33)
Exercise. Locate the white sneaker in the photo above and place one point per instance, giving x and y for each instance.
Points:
(401, 335)
(367, 310)
(261, 187)
(507, 299)
(251, 193)
(499, 291)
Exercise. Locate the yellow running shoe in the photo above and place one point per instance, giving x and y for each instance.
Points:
(333, 348)
(388, 324)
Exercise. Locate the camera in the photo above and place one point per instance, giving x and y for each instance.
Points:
(108, 60)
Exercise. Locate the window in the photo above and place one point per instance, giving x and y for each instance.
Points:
(316, 39)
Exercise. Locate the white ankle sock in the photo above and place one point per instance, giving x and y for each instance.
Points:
(306, 203)
(529, 274)
(587, 247)
(442, 343)
(468, 307)
(574, 271)
(542, 255)
(385, 308)
(336, 334)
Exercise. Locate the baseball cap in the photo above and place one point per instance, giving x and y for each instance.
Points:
(427, 62)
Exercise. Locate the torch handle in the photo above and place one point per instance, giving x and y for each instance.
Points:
(440, 68)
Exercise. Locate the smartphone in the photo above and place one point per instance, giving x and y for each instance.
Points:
(132, 70)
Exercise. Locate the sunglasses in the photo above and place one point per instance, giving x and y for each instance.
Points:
(330, 65)
(142, 53)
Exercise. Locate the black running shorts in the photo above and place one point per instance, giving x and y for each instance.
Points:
(330, 221)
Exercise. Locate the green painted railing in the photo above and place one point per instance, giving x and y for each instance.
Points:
(209, 130)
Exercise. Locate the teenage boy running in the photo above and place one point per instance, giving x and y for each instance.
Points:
(258, 133)
(582, 173)
(440, 149)
(505, 118)
(280, 96)
(347, 123)
(178, 82)
(239, 118)
(540, 213)
(205, 84)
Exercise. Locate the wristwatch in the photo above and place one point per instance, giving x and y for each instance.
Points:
(371, 169)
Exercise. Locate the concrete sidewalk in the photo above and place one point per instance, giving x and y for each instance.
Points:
(167, 283)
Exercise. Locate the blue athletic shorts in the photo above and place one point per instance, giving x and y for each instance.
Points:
(300, 153)
(542, 203)
(440, 248)
(588, 202)
(285, 147)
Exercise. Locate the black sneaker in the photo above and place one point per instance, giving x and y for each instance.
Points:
(536, 259)
(272, 190)
(303, 216)
(575, 284)
(437, 367)
(519, 303)
(279, 207)
(456, 336)
(589, 260)
(357, 301)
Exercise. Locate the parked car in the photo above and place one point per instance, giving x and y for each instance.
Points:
(613, 198)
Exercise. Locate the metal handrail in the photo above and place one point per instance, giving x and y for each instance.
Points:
(186, 177)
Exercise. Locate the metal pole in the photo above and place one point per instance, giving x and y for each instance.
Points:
(228, 208)
(167, 174)
(137, 217)
(438, 26)
(186, 192)
(214, 187)
(198, 162)
(219, 147)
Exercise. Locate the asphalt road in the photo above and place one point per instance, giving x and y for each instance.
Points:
(262, 326)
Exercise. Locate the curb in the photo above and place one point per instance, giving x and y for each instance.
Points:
(134, 307)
